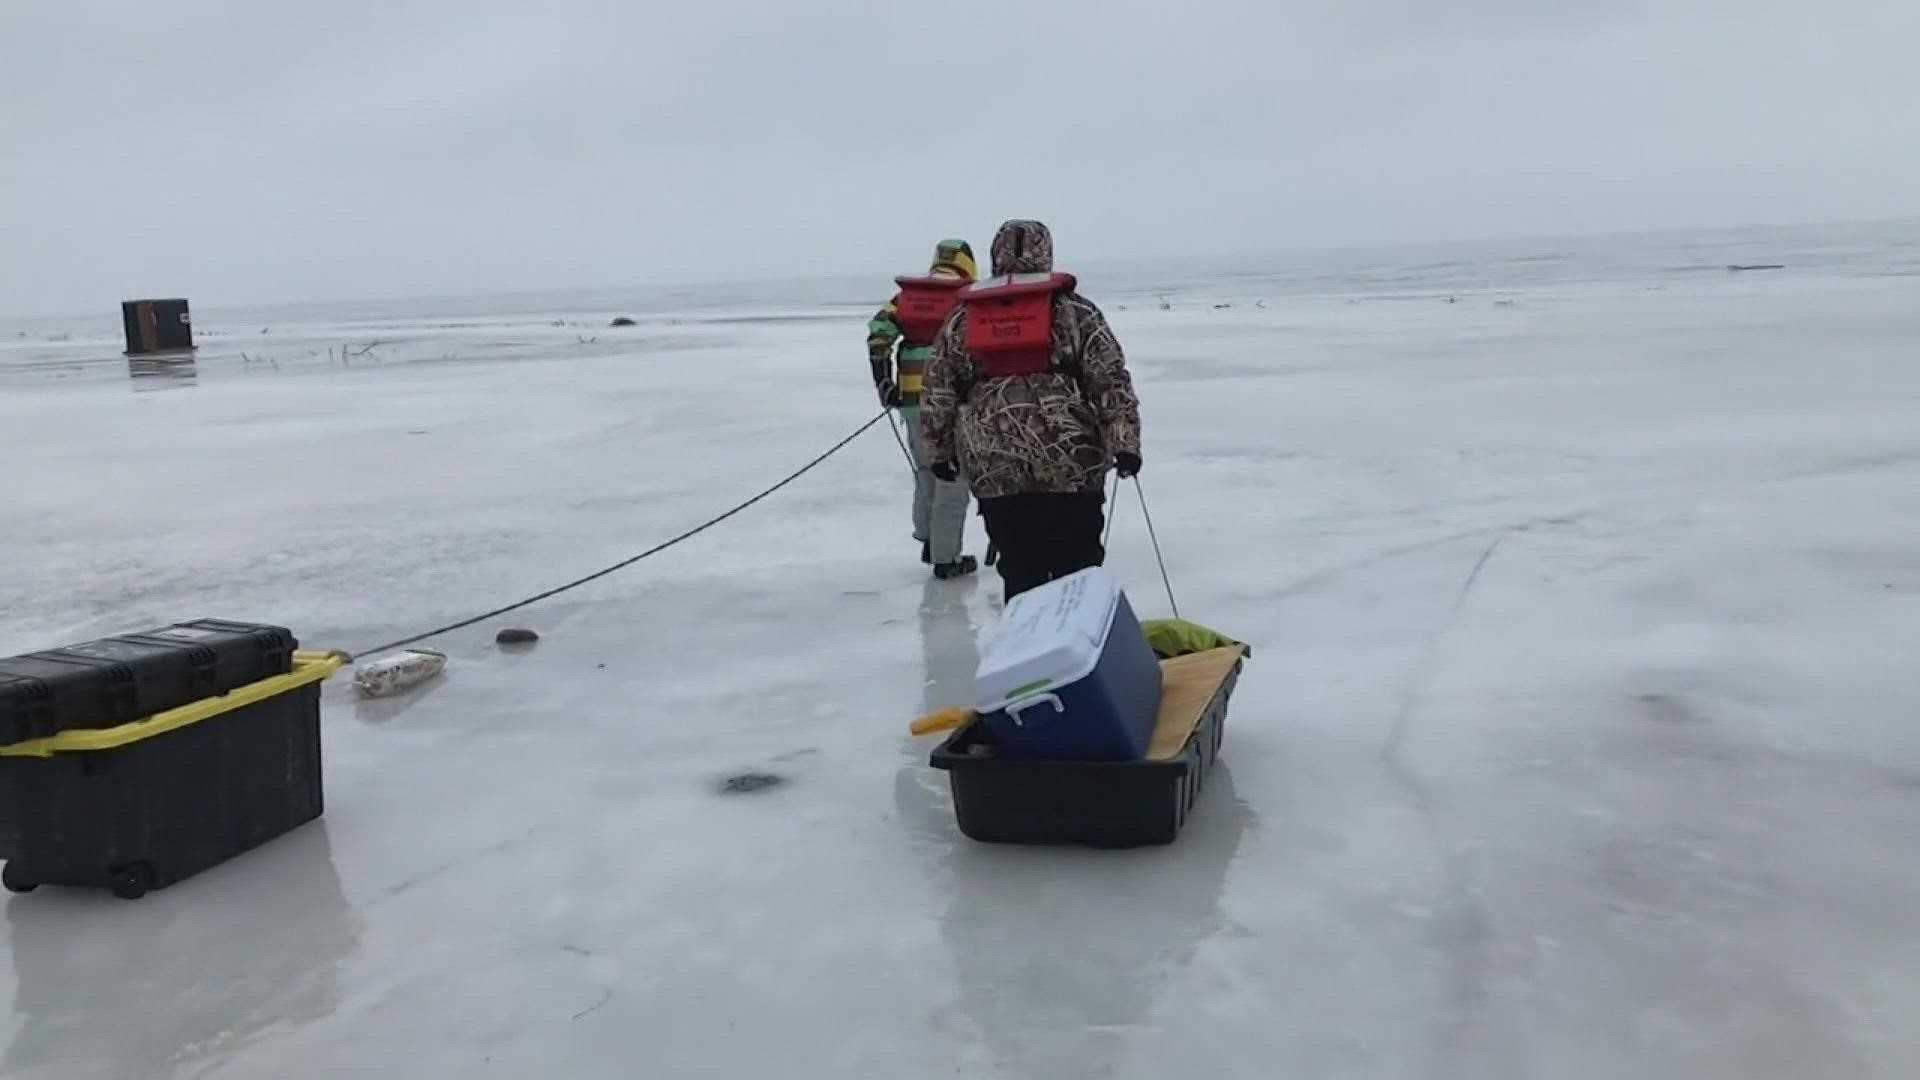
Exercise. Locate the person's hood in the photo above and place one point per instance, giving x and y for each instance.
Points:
(954, 257)
(1022, 247)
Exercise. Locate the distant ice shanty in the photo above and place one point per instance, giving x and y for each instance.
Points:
(157, 327)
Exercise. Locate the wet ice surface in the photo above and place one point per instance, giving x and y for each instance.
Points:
(1578, 742)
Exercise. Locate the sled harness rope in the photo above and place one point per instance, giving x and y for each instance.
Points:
(1113, 512)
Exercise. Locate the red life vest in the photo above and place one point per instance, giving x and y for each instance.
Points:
(923, 307)
(1010, 322)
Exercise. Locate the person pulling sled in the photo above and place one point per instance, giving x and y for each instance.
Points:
(1028, 396)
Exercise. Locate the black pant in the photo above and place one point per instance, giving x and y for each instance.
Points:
(1043, 537)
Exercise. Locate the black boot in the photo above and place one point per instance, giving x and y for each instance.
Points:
(966, 565)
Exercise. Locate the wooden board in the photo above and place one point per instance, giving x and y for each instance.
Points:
(1188, 684)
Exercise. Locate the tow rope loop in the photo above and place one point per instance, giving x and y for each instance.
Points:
(624, 563)
(1141, 490)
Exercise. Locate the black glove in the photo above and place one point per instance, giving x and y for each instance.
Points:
(1127, 465)
(883, 381)
(945, 470)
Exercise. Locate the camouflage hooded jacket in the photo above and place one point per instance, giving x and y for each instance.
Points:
(1032, 434)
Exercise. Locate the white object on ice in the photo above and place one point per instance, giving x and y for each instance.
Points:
(400, 671)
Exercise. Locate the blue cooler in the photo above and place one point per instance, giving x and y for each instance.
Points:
(1069, 675)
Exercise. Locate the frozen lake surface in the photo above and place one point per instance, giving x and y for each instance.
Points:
(1579, 740)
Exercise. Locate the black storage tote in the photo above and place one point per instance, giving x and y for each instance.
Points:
(142, 805)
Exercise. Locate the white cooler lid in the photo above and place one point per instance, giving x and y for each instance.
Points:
(1048, 637)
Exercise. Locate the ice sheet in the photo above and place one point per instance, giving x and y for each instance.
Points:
(1577, 742)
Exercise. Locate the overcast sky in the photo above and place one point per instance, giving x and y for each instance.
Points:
(240, 151)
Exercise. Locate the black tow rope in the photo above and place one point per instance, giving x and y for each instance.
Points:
(624, 563)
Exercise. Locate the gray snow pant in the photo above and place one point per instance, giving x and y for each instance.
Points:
(939, 507)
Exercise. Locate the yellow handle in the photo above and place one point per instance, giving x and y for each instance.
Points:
(944, 720)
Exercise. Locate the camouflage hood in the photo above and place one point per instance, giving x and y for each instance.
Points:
(1022, 247)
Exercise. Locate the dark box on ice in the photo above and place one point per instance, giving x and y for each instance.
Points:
(141, 805)
(157, 326)
(113, 680)
(1013, 800)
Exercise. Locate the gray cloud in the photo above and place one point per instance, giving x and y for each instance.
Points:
(240, 151)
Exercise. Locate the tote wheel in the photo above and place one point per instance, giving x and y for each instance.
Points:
(15, 880)
(132, 882)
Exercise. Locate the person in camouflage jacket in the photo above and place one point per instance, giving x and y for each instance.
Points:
(1035, 449)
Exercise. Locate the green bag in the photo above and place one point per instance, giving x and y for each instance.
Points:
(1178, 637)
